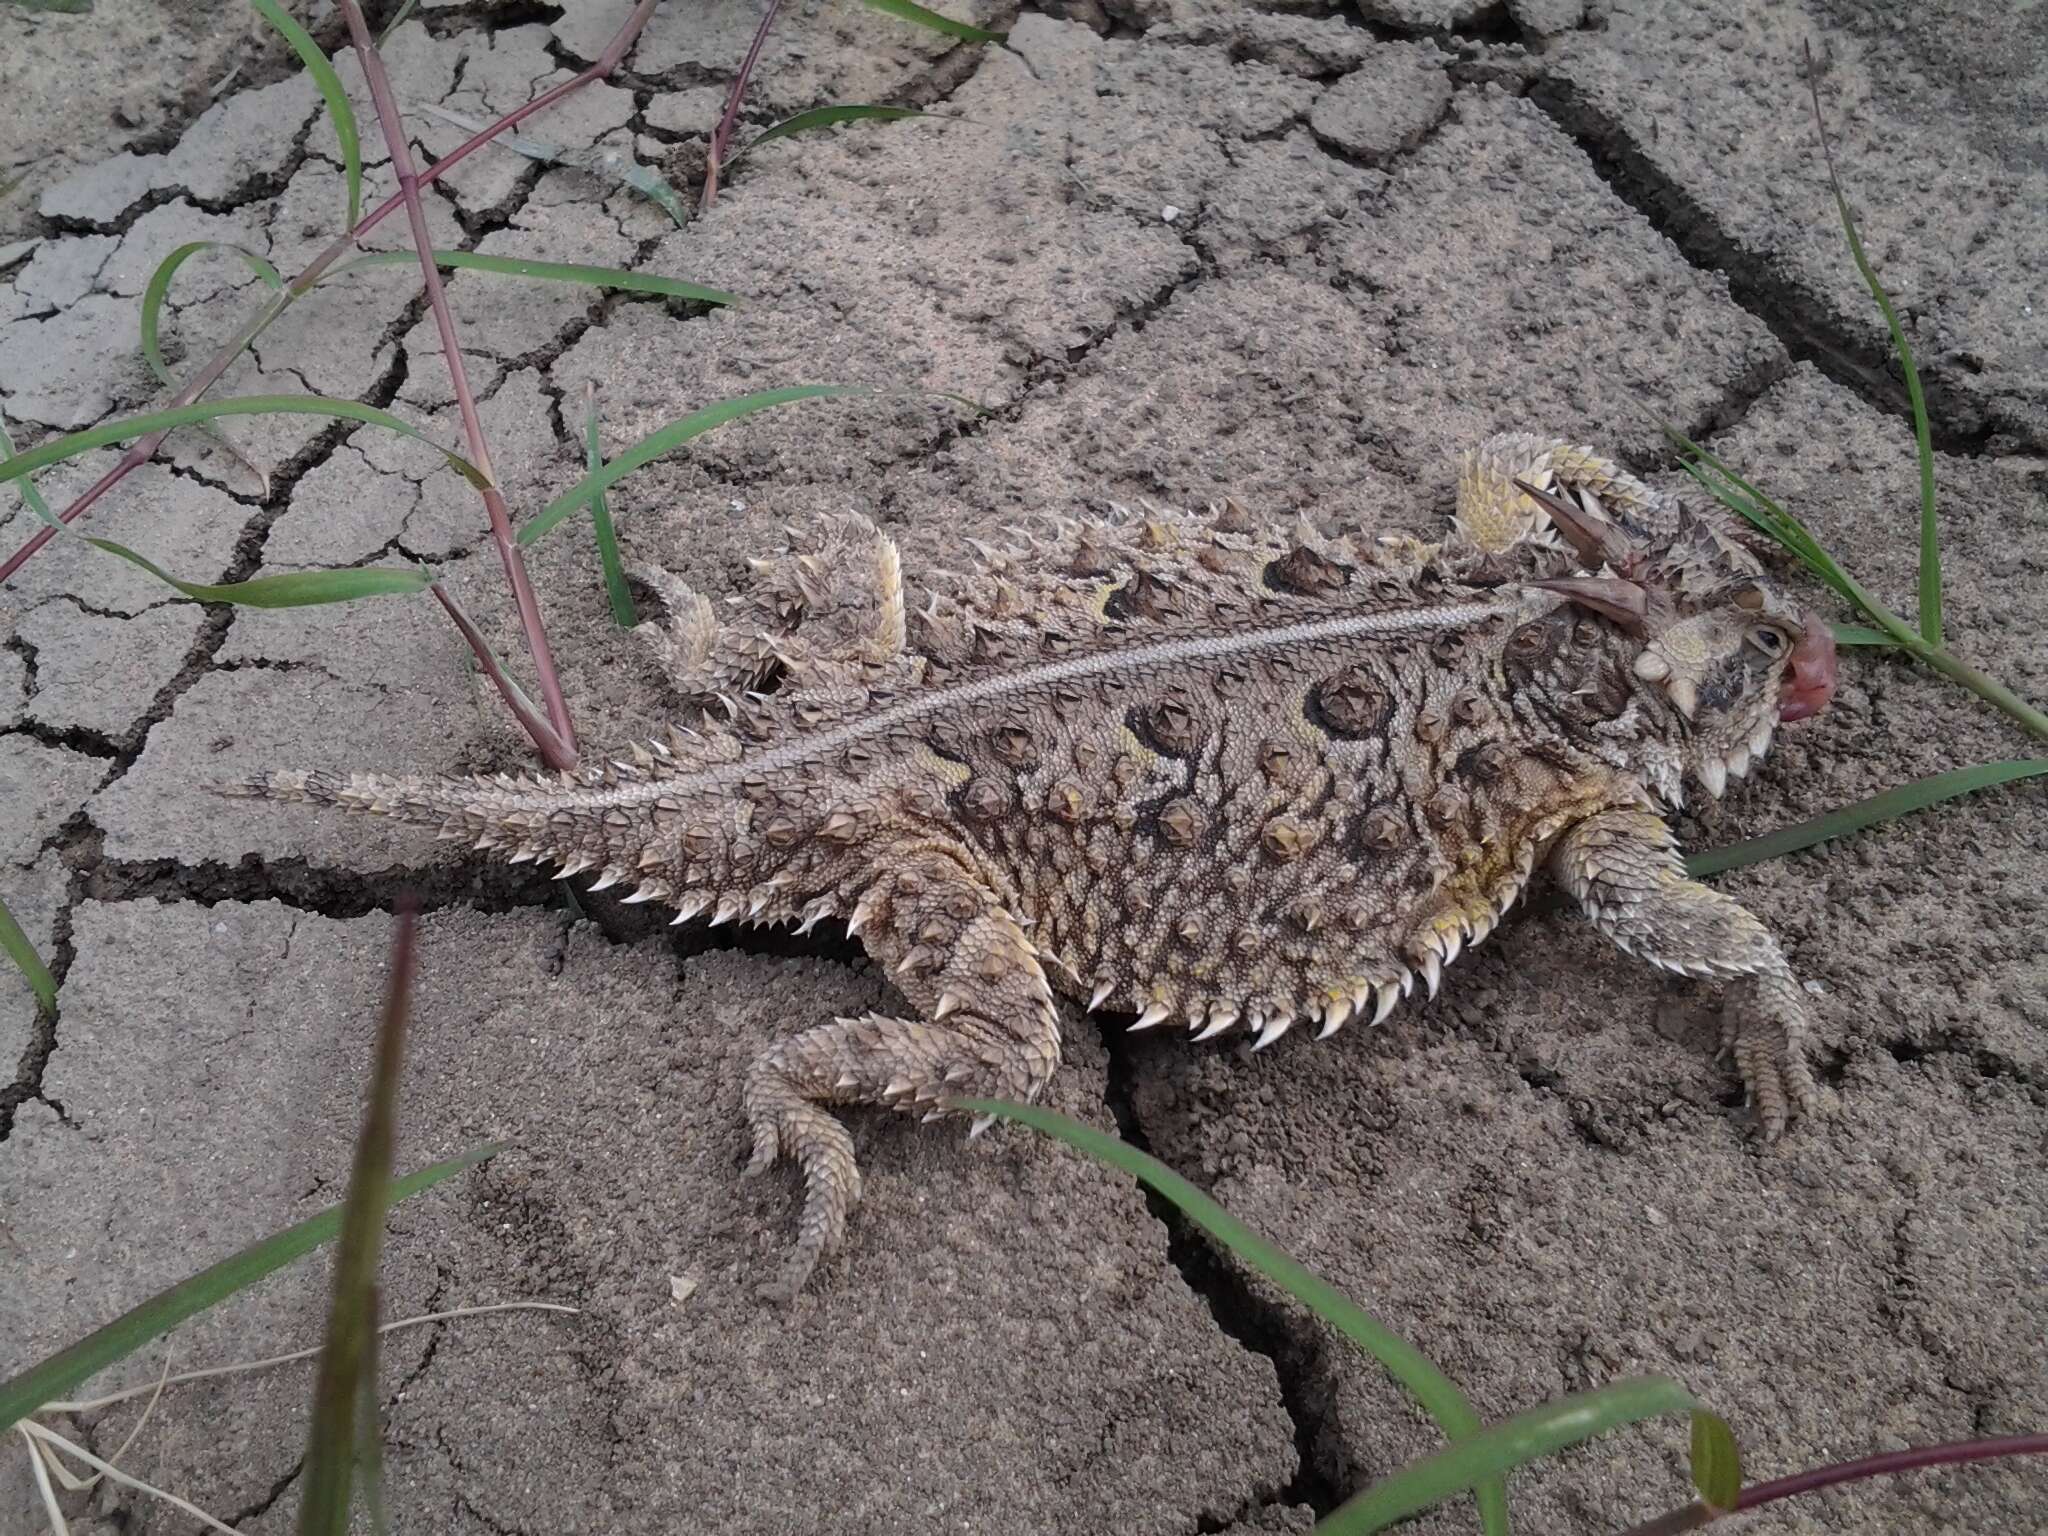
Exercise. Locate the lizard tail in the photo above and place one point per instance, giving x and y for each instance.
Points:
(626, 822)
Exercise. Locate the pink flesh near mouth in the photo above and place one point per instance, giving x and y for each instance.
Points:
(1810, 675)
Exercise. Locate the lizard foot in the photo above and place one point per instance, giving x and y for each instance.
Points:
(1763, 1028)
(901, 1064)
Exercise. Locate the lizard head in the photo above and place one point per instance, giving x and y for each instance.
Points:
(1723, 654)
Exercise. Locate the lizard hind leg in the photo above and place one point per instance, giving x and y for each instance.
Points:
(987, 1028)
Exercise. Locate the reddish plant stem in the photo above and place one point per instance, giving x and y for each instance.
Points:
(521, 707)
(143, 449)
(1694, 1516)
(721, 136)
(558, 746)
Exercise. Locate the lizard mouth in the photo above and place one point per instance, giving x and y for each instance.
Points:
(1810, 673)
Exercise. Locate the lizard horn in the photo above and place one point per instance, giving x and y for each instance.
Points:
(1625, 602)
(1597, 541)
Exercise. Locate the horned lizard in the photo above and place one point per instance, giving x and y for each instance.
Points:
(1185, 767)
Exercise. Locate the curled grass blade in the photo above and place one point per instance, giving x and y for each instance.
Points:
(72, 444)
(1437, 1393)
(22, 1394)
(41, 1435)
(293, 589)
(1889, 806)
(825, 117)
(17, 947)
(552, 271)
(1858, 634)
(160, 282)
(909, 10)
(1501, 1447)
(338, 110)
(669, 438)
(1930, 544)
(623, 613)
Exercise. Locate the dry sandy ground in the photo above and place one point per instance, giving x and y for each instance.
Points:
(1181, 249)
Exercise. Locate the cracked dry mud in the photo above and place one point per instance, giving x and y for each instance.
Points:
(1388, 241)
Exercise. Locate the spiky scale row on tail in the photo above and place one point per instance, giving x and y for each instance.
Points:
(1196, 769)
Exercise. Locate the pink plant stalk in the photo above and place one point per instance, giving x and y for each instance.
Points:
(1695, 1516)
(721, 136)
(558, 744)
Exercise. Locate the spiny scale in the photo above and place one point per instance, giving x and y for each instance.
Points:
(1186, 767)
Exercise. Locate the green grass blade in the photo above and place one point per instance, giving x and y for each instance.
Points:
(623, 613)
(552, 271)
(908, 10)
(333, 1437)
(1858, 634)
(1437, 1393)
(1930, 544)
(824, 117)
(17, 948)
(1502, 1447)
(293, 589)
(1716, 1462)
(397, 20)
(1889, 806)
(290, 589)
(160, 283)
(72, 444)
(666, 440)
(23, 1394)
(338, 110)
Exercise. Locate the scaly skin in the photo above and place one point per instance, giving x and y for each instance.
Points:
(1191, 769)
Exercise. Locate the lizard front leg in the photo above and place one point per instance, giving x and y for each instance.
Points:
(1623, 867)
(986, 1028)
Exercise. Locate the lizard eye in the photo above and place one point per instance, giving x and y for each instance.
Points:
(1771, 640)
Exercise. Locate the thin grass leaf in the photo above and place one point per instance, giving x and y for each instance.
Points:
(623, 612)
(908, 10)
(1889, 806)
(294, 589)
(338, 110)
(397, 21)
(1716, 1462)
(242, 1367)
(1923, 439)
(72, 444)
(669, 438)
(289, 589)
(1502, 1447)
(22, 1394)
(1858, 634)
(45, 1436)
(333, 1438)
(824, 117)
(1437, 1393)
(17, 947)
(552, 271)
(160, 283)
(52, 1510)
(599, 160)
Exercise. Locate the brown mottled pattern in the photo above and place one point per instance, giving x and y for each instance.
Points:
(1195, 769)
